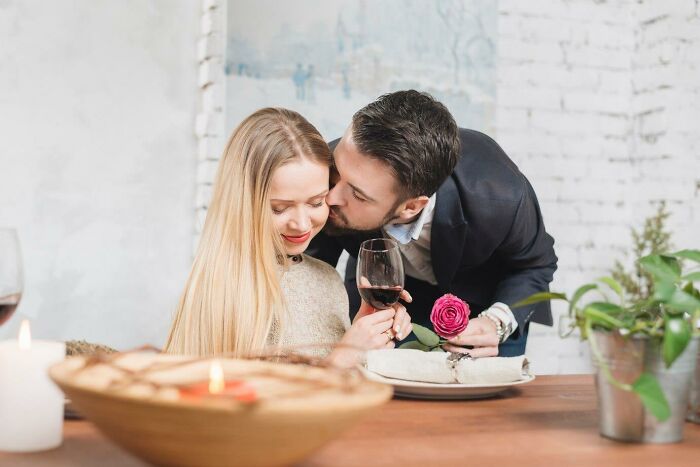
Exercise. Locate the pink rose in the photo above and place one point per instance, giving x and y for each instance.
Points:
(450, 316)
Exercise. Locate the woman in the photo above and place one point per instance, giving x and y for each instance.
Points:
(250, 285)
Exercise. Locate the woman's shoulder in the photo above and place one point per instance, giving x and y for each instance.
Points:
(320, 267)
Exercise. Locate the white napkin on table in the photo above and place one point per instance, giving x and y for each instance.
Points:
(434, 367)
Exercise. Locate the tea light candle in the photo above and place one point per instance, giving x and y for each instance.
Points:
(217, 388)
(31, 405)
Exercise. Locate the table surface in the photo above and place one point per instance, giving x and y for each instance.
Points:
(551, 421)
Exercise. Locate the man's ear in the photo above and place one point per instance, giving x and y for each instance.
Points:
(412, 207)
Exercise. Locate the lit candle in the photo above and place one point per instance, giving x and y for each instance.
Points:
(217, 388)
(31, 406)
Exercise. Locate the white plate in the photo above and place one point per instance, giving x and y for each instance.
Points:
(419, 390)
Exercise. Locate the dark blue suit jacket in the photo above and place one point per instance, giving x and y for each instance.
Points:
(488, 241)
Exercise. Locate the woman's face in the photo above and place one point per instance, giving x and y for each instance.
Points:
(298, 200)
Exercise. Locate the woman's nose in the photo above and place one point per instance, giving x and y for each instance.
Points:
(301, 222)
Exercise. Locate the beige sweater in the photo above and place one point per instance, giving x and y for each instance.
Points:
(317, 308)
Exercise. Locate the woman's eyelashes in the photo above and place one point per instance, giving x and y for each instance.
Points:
(315, 204)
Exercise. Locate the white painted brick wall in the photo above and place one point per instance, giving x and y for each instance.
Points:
(598, 104)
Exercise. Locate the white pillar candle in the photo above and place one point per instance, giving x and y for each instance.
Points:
(31, 405)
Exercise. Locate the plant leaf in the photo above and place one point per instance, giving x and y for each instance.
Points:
(600, 313)
(539, 297)
(677, 333)
(693, 255)
(425, 336)
(692, 277)
(437, 349)
(652, 396)
(613, 284)
(414, 345)
(675, 298)
(663, 268)
(580, 292)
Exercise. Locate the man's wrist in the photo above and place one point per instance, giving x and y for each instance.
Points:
(500, 313)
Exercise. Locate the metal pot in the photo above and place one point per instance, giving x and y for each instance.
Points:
(694, 406)
(622, 414)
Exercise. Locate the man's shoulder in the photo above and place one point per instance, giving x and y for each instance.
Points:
(485, 171)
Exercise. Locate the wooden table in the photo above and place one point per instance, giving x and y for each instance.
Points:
(550, 422)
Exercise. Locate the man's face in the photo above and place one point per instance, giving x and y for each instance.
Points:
(363, 195)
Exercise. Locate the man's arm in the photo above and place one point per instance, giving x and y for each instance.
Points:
(527, 255)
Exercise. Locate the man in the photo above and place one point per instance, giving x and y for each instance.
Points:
(466, 220)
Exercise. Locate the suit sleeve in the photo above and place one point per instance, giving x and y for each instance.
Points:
(527, 255)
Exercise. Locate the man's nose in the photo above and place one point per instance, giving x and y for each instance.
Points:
(334, 197)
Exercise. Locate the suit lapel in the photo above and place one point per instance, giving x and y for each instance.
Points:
(447, 234)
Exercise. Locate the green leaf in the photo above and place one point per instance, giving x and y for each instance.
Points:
(425, 335)
(605, 307)
(692, 277)
(437, 349)
(539, 297)
(652, 396)
(693, 255)
(663, 268)
(414, 345)
(600, 313)
(675, 298)
(677, 334)
(613, 284)
(580, 292)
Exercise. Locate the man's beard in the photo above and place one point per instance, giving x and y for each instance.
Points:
(334, 230)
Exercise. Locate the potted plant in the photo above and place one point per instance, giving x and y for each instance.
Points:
(644, 349)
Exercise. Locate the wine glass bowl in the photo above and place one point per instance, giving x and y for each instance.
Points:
(380, 275)
(11, 281)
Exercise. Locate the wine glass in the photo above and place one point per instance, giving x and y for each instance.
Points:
(11, 285)
(380, 272)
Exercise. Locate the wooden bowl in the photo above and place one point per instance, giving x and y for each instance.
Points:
(134, 399)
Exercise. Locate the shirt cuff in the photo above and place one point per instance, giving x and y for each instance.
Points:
(502, 312)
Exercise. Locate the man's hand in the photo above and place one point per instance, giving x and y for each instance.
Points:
(481, 335)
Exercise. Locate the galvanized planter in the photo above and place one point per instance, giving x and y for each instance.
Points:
(694, 406)
(622, 415)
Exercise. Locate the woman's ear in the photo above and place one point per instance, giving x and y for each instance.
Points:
(412, 207)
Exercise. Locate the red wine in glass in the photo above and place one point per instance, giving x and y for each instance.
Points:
(10, 274)
(8, 305)
(380, 272)
(380, 297)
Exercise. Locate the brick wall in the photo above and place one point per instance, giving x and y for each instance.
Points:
(597, 103)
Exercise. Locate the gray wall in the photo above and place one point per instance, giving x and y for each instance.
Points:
(97, 162)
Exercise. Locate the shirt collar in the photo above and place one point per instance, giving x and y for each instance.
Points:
(404, 233)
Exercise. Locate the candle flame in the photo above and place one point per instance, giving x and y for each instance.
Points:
(25, 336)
(216, 377)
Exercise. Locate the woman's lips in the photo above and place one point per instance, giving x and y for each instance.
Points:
(297, 239)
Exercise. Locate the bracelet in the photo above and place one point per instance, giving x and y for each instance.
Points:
(500, 329)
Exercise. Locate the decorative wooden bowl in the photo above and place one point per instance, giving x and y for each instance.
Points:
(136, 400)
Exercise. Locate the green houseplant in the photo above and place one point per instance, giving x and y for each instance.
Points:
(656, 328)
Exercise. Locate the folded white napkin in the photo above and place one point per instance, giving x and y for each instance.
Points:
(434, 367)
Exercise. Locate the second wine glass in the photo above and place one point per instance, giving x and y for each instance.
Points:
(380, 277)
(10, 274)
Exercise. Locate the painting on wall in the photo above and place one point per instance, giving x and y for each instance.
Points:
(327, 59)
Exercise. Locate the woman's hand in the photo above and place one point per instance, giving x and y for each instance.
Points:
(401, 326)
(371, 330)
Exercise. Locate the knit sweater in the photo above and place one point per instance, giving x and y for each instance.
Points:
(317, 308)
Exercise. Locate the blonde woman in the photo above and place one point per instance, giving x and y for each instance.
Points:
(251, 286)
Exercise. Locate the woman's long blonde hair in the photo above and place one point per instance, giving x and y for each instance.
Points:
(232, 298)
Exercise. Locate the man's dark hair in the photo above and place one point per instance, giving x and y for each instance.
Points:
(414, 134)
